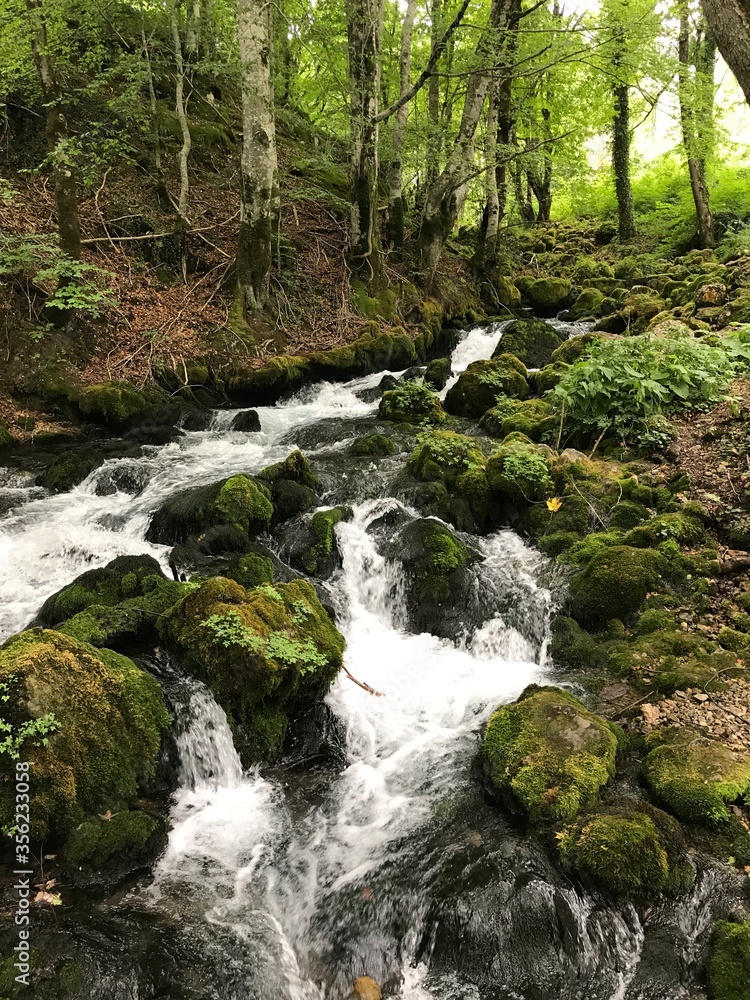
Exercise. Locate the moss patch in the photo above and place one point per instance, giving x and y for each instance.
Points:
(483, 383)
(729, 965)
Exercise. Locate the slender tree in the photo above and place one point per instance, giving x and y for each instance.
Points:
(697, 58)
(259, 183)
(56, 127)
(729, 21)
(396, 212)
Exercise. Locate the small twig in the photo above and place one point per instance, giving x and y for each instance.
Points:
(634, 705)
(562, 418)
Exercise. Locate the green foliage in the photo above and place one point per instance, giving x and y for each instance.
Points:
(413, 402)
(13, 737)
(729, 965)
(624, 383)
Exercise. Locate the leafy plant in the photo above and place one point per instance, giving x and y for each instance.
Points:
(228, 629)
(623, 384)
(13, 737)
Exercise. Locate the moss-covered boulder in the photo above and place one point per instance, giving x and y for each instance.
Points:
(614, 584)
(264, 652)
(69, 469)
(123, 578)
(574, 348)
(279, 377)
(374, 351)
(530, 340)
(251, 569)
(548, 296)
(629, 850)
(437, 373)
(373, 446)
(519, 472)
(533, 418)
(548, 377)
(104, 722)
(104, 849)
(729, 964)
(294, 468)
(483, 383)
(587, 305)
(436, 567)
(239, 501)
(550, 753)
(293, 484)
(114, 403)
(455, 461)
(695, 778)
(411, 402)
(314, 549)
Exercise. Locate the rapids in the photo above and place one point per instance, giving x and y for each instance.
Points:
(289, 884)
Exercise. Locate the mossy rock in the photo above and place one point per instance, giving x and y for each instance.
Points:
(695, 778)
(123, 578)
(413, 403)
(548, 296)
(550, 752)
(252, 569)
(279, 377)
(110, 719)
(685, 528)
(443, 456)
(729, 964)
(437, 373)
(295, 468)
(130, 621)
(588, 304)
(574, 348)
(239, 501)
(263, 652)
(548, 377)
(374, 351)
(69, 469)
(6, 438)
(483, 383)
(629, 850)
(614, 584)
(315, 551)
(519, 471)
(113, 403)
(530, 340)
(373, 446)
(103, 849)
(531, 417)
(435, 564)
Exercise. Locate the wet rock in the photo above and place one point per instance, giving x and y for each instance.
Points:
(711, 295)
(411, 402)
(483, 383)
(240, 501)
(530, 340)
(365, 988)
(247, 421)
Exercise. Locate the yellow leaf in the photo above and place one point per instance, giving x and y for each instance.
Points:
(554, 504)
(51, 898)
(106, 816)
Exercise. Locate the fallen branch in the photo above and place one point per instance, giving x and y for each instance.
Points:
(365, 687)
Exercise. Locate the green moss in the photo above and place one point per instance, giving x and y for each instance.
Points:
(380, 306)
(295, 468)
(279, 648)
(113, 403)
(241, 502)
(551, 752)
(627, 514)
(629, 850)
(375, 445)
(588, 304)
(432, 554)
(530, 340)
(411, 402)
(278, 377)
(437, 373)
(6, 439)
(111, 718)
(251, 570)
(123, 578)
(316, 557)
(614, 584)
(483, 383)
(374, 351)
(573, 647)
(531, 417)
(683, 528)
(69, 470)
(575, 348)
(548, 295)
(548, 377)
(729, 965)
(695, 778)
(97, 841)
(443, 456)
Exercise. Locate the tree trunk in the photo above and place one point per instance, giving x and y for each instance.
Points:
(365, 32)
(490, 159)
(621, 162)
(181, 111)
(259, 186)
(446, 196)
(729, 21)
(696, 117)
(56, 129)
(396, 212)
(434, 136)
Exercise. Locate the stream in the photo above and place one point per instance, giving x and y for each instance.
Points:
(288, 884)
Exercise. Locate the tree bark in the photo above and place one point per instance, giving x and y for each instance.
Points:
(621, 161)
(259, 184)
(56, 129)
(365, 33)
(446, 196)
(396, 211)
(696, 116)
(434, 137)
(729, 21)
(181, 111)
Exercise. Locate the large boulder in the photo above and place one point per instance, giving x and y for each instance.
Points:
(293, 484)
(454, 461)
(519, 472)
(729, 965)
(549, 753)
(530, 340)
(628, 850)
(265, 652)
(533, 418)
(548, 296)
(89, 722)
(312, 547)
(614, 584)
(483, 383)
(411, 402)
(239, 501)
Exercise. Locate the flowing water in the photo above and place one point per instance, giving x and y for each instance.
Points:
(290, 884)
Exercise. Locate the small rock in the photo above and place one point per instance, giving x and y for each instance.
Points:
(700, 696)
(711, 295)
(366, 988)
(651, 714)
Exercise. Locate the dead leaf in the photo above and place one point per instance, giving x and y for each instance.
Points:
(50, 898)
(46, 886)
(366, 893)
(107, 815)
